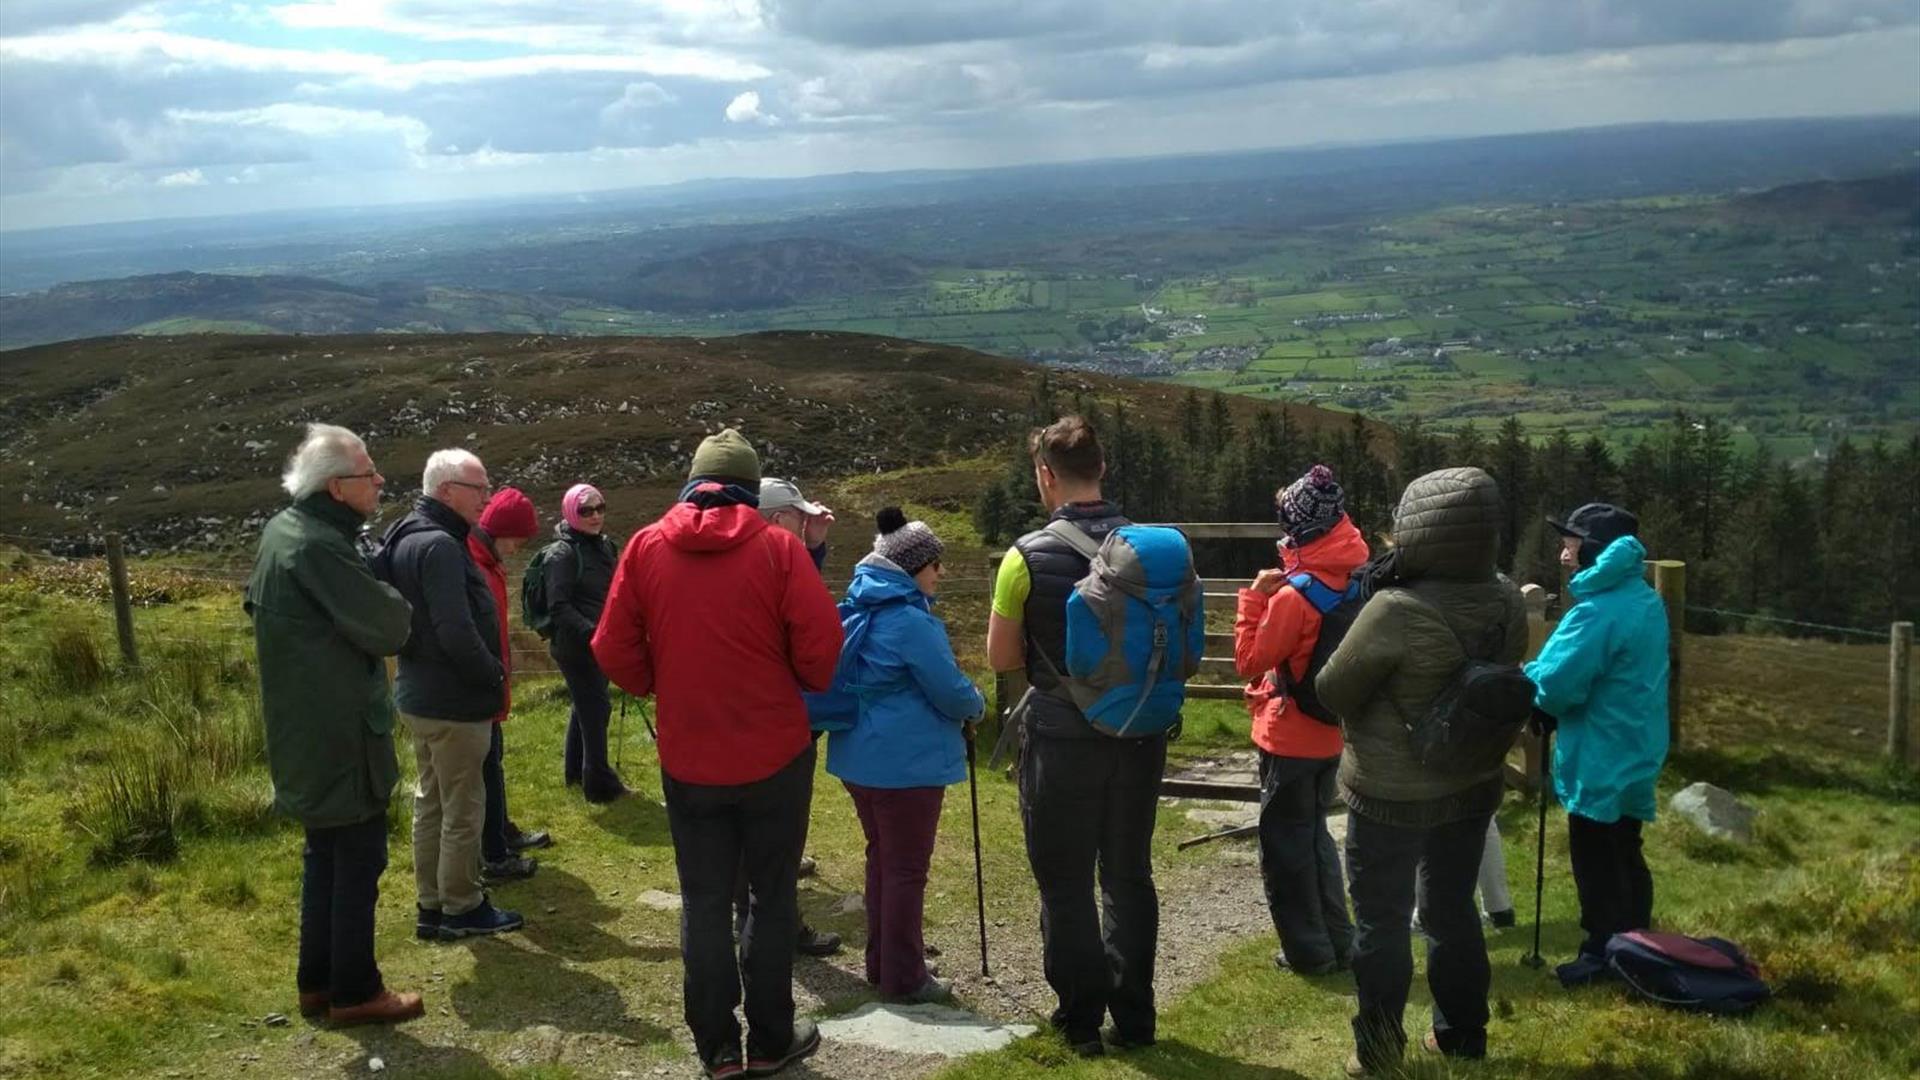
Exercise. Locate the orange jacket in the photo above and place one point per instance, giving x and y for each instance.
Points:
(1270, 630)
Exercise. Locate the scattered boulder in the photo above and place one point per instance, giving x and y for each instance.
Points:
(1714, 811)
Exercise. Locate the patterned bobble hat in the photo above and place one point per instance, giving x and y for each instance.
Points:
(1311, 505)
(909, 545)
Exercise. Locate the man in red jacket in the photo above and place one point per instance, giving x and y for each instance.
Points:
(725, 621)
(1273, 639)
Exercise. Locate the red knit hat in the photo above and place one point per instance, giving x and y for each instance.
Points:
(509, 514)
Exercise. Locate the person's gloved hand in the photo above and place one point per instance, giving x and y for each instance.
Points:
(1542, 723)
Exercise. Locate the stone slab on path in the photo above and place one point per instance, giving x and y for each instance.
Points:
(922, 1029)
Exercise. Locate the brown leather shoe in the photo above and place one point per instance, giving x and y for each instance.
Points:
(313, 1004)
(388, 1008)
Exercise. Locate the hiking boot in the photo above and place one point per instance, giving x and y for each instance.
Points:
(806, 1040)
(483, 920)
(725, 1066)
(1581, 970)
(1502, 920)
(386, 1007)
(1122, 1042)
(929, 992)
(811, 942)
(807, 866)
(313, 1003)
(1087, 1048)
(603, 792)
(527, 841)
(511, 868)
(426, 924)
(1280, 961)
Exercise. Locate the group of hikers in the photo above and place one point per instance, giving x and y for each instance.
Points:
(719, 613)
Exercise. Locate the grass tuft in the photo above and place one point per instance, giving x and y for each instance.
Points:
(130, 807)
(73, 663)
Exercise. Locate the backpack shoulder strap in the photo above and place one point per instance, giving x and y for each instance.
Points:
(1316, 592)
(1066, 530)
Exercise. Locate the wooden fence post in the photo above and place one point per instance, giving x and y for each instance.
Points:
(1899, 690)
(1670, 580)
(122, 600)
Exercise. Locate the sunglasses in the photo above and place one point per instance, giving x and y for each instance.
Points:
(596, 509)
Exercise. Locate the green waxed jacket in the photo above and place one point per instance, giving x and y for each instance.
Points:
(1405, 646)
(322, 624)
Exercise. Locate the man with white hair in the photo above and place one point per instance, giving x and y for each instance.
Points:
(322, 622)
(451, 686)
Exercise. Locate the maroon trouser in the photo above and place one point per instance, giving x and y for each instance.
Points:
(900, 824)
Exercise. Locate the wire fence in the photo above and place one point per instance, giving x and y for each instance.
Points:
(1763, 679)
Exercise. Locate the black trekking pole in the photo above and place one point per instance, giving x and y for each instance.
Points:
(979, 879)
(1534, 960)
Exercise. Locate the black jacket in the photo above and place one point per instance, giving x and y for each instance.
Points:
(450, 668)
(1053, 567)
(577, 584)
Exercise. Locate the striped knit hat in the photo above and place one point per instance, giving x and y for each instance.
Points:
(1311, 505)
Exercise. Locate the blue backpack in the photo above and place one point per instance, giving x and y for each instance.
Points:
(1135, 629)
(1697, 974)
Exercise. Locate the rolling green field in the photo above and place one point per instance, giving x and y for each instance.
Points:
(1599, 317)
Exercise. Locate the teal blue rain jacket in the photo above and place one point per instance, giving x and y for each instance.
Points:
(913, 697)
(1603, 675)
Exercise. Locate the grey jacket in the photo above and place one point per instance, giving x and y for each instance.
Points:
(1405, 647)
(451, 667)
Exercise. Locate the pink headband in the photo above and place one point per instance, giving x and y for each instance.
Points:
(570, 505)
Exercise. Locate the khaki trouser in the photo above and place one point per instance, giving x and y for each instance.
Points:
(449, 808)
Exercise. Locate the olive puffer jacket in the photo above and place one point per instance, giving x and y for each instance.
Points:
(1441, 590)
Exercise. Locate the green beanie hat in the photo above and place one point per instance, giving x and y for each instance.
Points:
(727, 456)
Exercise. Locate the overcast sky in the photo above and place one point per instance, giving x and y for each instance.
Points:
(127, 109)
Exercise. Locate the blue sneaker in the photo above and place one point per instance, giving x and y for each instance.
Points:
(426, 923)
(485, 919)
(1581, 970)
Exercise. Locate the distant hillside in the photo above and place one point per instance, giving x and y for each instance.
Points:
(1890, 199)
(198, 303)
(179, 441)
(772, 273)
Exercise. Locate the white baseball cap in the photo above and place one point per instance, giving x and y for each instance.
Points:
(778, 494)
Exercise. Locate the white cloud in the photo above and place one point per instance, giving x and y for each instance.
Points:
(315, 121)
(745, 109)
(183, 178)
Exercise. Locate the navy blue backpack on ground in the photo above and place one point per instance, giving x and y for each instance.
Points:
(1698, 974)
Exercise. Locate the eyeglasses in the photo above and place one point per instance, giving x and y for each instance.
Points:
(591, 511)
(481, 488)
(359, 476)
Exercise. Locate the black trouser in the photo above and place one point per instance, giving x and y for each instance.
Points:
(713, 828)
(1611, 876)
(741, 894)
(493, 830)
(1385, 864)
(1298, 862)
(1090, 803)
(338, 890)
(586, 753)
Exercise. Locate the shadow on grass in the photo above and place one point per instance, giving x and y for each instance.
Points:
(516, 986)
(1175, 1059)
(637, 819)
(405, 1055)
(573, 930)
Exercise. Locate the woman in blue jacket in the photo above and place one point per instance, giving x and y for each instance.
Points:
(1603, 677)
(905, 744)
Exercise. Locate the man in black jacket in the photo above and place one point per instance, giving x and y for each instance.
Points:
(1087, 800)
(450, 687)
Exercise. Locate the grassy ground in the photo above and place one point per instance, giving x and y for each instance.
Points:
(148, 895)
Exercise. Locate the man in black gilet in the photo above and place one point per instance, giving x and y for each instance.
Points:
(1087, 800)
